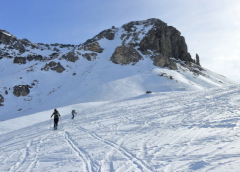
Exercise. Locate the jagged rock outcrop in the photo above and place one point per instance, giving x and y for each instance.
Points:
(150, 42)
(21, 90)
(54, 66)
(1, 99)
(6, 37)
(92, 47)
(20, 60)
(71, 56)
(166, 40)
(197, 60)
(90, 56)
(19, 46)
(108, 34)
(125, 55)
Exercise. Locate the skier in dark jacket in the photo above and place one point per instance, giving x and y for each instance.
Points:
(73, 112)
(56, 118)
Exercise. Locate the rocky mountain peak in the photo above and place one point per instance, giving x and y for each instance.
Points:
(151, 38)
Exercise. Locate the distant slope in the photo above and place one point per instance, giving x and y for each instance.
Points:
(99, 80)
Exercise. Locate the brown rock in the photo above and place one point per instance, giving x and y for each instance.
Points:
(21, 90)
(150, 42)
(160, 60)
(20, 60)
(34, 57)
(92, 47)
(6, 38)
(54, 55)
(172, 65)
(163, 39)
(90, 56)
(188, 63)
(71, 56)
(197, 60)
(1, 99)
(54, 66)
(125, 55)
(18, 46)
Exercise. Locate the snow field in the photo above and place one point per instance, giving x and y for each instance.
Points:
(171, 131)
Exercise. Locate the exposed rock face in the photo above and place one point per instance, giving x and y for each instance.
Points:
(172, 64)
(6, 38)
(90, 56)
(71, 56)
(197, 60)
(150, 42)
(54, 55)
(163, 39)
(166, 40)
(18, 46)
(92, 47)
(161, 42)
(125, 55)
(20, 60)
(54, 66)
(35, 57)
(1, 99)
(108, 34)
(163, 61)
(21, 90)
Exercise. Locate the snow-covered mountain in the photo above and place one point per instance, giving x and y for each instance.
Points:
(118, 63)
(188, 123)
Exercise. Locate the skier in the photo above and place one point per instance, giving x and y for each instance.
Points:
(56, 118)
(73, 112)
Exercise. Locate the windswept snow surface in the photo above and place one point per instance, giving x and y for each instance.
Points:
(171, 131)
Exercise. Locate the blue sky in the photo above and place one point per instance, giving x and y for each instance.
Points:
(211, 27)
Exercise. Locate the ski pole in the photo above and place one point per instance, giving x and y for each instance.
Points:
(50, 124)
(61, 120)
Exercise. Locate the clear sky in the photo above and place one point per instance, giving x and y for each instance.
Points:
(211, 27)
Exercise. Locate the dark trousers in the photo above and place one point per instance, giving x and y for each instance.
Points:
(72, 115)
(55, 122)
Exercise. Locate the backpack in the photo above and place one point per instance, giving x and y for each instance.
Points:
(56, 114)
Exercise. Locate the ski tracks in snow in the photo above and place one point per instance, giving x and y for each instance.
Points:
(139, 164)
(89, 165)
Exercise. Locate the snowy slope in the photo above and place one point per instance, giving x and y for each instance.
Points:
(97, 80)
(168, 131)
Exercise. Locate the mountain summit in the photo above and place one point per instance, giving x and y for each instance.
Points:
(118, 63)
(150, 37)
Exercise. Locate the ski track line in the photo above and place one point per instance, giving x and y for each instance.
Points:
(33, 164)
(89, 165)
(10, 156)
(121, 150)
(23, 157)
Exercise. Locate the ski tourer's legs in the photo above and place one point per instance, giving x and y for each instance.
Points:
(55, 122)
